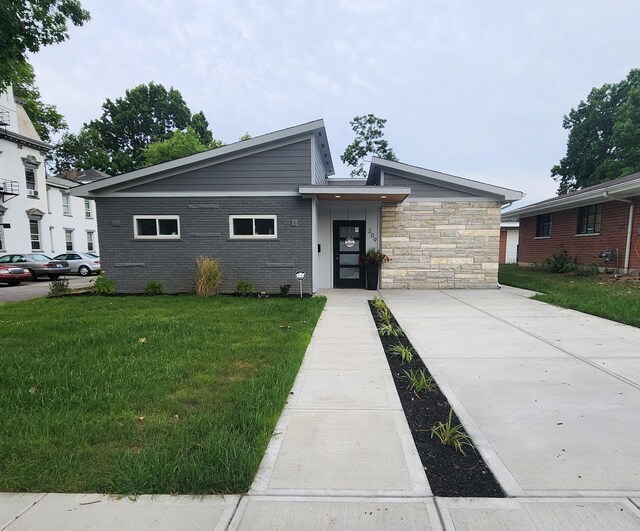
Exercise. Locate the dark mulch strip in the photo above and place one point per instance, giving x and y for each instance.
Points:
(450, 473)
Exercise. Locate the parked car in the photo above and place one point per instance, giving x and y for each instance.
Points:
(82, 263)
(13, 275)
(38, 265)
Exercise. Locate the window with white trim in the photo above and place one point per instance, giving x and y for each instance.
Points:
(156, 227)
(253, 227)
(68, 239)
(90, 243)
(66, 204)
(87, 208)
(30, 178)
(34, 231)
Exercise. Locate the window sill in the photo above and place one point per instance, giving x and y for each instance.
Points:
(587, 234)
(542, 237)
(253, 239)
(68, 215)
(156, 240)
(33, 196)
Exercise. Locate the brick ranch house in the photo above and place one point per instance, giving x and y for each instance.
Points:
(269, 206)
(587, 222)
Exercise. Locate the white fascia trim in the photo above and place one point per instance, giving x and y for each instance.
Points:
(269, 193)
(452, 200)
(445, 179)
(207, 158)
(361, 190)
(587, 198)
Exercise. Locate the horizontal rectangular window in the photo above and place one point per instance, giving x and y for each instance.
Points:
(543, 225)
(589, 219)
(253, 227)
(156, 227)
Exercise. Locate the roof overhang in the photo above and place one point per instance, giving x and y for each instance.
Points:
(22, 140)
(219, 155)
(378, 165)
(620, 191)
(388, 194)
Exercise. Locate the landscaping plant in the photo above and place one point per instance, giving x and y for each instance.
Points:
(284, 289)
(58, 288)
(387, 329)
(385, 314)
(244, 288)
(103, 285)
(419, 381)
(452, 435)
(378, 302)
(405, 353)
(208, 276)
(154, 288)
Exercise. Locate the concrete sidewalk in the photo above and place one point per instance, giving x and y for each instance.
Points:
(552, 411)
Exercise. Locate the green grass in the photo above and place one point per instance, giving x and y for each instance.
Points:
(144, 394)
(615, 300)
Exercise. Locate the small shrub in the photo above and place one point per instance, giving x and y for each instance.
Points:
(590, 270)
(58, 287)
(208, 276)
(560, 262)
(379, 303)
(244, 288)
(104, 285)
(284, 289)
(263, 295)
(384, 314)
(405, 353)
(452, 435)
(420, 382)
(388, 329)
(154, 288)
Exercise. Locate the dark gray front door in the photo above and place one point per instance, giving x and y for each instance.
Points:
(348, 245)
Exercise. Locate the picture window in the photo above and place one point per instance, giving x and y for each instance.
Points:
(253, 227)
(156, 227)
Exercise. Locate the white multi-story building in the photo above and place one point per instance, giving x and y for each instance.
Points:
(37, 213)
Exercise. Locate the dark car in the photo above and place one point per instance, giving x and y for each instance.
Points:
(38, 265)
(13, 275)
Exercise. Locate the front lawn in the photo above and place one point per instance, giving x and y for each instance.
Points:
(168, 394)
(602, 295)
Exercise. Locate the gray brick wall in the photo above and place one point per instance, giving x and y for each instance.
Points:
(204, 228)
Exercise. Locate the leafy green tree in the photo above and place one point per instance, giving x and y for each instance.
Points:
(179, 144)
(27, 25)
(45, 118)
(244, 137)
(369, 141)
(115, 143)
(603, 136)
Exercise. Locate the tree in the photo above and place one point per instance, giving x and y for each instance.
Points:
(115, 143)
(368, 141)
(45, 118)
(603, 136)
(179, 144)
(27, 25)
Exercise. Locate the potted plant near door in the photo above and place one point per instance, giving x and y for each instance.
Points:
(372, 260)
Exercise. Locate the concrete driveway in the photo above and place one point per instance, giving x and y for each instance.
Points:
(37, 288)
(551, 396)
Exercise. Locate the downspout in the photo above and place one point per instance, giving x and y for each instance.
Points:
(627, 253)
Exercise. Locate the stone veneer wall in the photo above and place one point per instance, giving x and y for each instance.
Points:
(435, 245)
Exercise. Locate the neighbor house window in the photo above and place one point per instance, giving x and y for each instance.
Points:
(68, 239)
(30, 177)
(156, 227)
(87, 208)
(66, 204)
(90, 246)
(34, 230)
(543, 226)
(589, 219)
(253, 227)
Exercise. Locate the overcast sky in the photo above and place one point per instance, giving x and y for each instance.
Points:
(476, 89)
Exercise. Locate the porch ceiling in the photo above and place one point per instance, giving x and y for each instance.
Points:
(388, 194)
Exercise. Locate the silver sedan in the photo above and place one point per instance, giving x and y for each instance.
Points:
(39, 265)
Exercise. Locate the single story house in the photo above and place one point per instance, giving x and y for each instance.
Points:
(586, 223)
(269, 206)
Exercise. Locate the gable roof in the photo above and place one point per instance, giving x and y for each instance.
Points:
(446, 180)
(215, 156)
(621, 188)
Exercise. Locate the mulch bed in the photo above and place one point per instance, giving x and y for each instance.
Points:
(450, 473)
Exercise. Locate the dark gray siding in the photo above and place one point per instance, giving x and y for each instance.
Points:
(204, 228)
(320, 173)
(284, 168)
(424, 190)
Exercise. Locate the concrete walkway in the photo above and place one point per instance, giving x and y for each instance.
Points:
(550, 397)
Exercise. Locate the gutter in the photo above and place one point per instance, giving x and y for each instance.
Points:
(627, 253)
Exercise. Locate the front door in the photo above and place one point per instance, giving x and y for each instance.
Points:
(348, 245)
